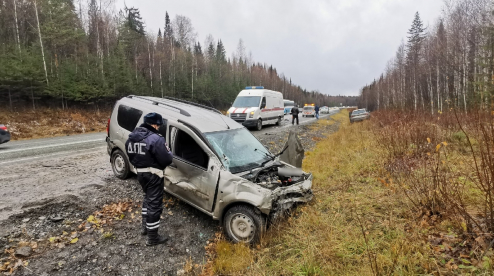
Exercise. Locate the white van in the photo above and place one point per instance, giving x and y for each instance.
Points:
(256, 106)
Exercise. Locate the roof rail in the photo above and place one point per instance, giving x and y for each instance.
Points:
(193, 103)
(183, 112)
(181, 101)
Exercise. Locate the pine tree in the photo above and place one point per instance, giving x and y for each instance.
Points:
(168, 30)
(134, 20)
(220, 52)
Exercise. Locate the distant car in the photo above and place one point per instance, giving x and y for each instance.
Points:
(324, 110)
(4, 134)
(359, 115)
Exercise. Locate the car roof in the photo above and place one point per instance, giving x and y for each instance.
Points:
(203, 118)
(259, 92)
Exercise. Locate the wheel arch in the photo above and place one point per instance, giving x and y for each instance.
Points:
(114, 149)
(238, 203)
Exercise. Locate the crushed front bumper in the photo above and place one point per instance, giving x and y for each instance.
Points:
(285, 197)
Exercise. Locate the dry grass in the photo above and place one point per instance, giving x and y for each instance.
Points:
(355, 225)
(46, 122)
(232, 258)
(361, 221)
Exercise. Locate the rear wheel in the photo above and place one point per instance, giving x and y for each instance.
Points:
(243, 224)
(259, 124)
(120, 164)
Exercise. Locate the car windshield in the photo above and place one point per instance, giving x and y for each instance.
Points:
(308, 108)
(238, 148)
(356, 112)
(247, 101)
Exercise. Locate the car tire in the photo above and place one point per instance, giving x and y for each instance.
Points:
(259, 124)
(242, 223)
(120, 164)
(278, 123)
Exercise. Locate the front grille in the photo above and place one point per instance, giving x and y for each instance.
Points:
(238, 117)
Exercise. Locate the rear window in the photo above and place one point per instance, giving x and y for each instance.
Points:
(309, 108)
(356, 112)
(128, 117)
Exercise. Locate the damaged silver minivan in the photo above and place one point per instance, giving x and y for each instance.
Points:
(218, 166)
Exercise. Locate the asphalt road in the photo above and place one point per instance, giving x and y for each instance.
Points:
(27, 150)
(31, 150)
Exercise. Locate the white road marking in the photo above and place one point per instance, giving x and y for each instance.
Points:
(53, 145)
(54, 139)
(53, 154)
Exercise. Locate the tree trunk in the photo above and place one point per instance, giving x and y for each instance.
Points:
(41, 43)
(10, 100)
(161, 81)
(17, 27)
(192, 80)
(150, 68)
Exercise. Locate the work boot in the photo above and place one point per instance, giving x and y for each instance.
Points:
(154, 238)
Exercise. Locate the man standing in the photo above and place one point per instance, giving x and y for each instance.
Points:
(317, 111)
(294, 113)
(148, 152)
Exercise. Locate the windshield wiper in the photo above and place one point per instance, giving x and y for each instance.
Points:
(273, 157)
(269, 156)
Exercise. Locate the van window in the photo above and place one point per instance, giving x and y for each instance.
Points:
(263, 103)
(247, 101)
(186, 148)
(128, 117)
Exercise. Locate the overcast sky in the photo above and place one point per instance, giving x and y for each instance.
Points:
(333, 46)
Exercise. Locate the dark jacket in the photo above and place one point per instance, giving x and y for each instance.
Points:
(295, 111)
(147, 148)
(316, 109)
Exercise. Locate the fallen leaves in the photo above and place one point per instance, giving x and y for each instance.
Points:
(97, 220)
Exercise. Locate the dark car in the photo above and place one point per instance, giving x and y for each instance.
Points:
(4, 134)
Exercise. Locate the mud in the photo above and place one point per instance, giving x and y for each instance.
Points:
(46, 205)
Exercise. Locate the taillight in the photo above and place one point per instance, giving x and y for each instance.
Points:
(108, 128)
(3, 127)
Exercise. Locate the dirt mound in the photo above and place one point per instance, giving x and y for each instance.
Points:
(28, 124)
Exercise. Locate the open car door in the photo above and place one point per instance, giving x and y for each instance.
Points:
(193, 175)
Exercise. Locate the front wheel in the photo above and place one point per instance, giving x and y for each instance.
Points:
(120, 164)
(259, 124)
(243, 224)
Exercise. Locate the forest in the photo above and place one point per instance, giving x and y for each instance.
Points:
(447, 65)
(61, 52)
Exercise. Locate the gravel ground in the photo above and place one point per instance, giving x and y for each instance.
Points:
(92, 229)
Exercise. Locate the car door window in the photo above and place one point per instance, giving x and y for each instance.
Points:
(162, 128)
(186, 148)
(263, 103)
(128, 117)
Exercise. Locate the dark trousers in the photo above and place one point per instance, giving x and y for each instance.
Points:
(152, 205)
(293, 119)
